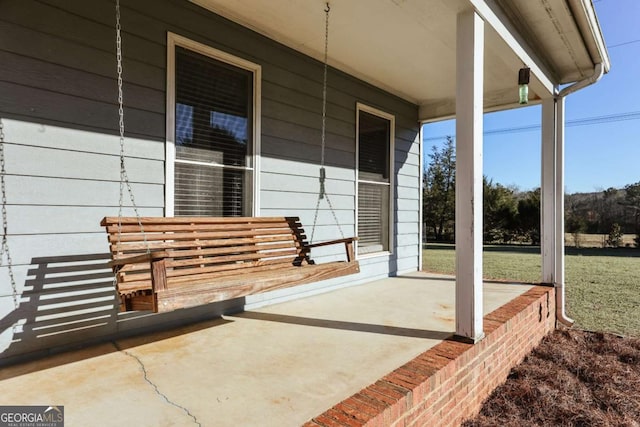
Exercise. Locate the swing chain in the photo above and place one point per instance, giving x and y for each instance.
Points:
(5, 225)
(323, 173)
(124, 177)
(324, 94)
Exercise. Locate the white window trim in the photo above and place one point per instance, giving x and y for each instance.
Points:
(174, 40)
(392, 174)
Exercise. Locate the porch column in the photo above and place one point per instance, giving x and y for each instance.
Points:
(552, 201)
(469, 111)
(547, 191)
(552, 191)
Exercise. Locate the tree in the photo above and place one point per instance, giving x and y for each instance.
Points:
(439, 191)
(500, 212)
(632, 202)
(576, 225)
(615, 236)
(529, 216)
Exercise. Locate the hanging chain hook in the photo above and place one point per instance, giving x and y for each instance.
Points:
(328, 8)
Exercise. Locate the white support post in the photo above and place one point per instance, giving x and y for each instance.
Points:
(469, 115)
(421, 198)
(552, 201)
(547, 191)
(559, 216)
(552, 191)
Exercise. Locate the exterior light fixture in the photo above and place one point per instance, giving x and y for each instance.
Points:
(523, 84)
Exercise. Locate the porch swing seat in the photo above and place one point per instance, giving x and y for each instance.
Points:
(182, 262)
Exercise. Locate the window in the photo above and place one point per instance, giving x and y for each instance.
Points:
(212, 103)
(375, 133)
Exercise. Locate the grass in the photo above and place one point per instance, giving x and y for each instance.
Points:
(602, 285)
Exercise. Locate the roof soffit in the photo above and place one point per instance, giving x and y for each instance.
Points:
(407, 47)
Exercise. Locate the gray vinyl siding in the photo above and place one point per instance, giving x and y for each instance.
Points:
(58, 102)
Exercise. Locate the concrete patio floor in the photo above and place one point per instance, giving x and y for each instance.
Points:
(276, 366)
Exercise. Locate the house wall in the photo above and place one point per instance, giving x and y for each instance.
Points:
(58, 102)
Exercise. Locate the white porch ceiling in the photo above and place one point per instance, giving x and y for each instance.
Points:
(407, 47)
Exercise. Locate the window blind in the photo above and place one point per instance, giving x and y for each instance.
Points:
(213, 135)
(373, 217)
(373, 154)
(374, 136)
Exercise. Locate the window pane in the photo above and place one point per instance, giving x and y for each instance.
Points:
(213, 111)
(211, 191)
(373, 217)
(374, 151)
(373, 154)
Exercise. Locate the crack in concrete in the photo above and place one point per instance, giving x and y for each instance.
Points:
(155, 387)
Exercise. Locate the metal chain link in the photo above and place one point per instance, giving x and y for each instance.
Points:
(124, 178)
(324, 81)
(4, 250)
(323, 194)
(315, 218)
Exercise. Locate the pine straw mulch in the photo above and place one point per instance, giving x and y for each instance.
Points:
(573, 378)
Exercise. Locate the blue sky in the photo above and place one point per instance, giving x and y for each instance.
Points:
(597, 155)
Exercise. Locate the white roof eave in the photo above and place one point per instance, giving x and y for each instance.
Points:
(587, 21)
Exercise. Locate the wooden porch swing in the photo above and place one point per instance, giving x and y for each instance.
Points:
(163, 264)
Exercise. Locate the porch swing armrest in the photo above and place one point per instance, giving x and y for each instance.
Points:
(348, 246)
(331, 242)
(136, 259)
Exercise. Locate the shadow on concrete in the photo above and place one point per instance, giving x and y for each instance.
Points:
(70, 302)
(346, 326)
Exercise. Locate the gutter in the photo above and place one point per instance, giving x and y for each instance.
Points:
(587, 22)
(598, 72)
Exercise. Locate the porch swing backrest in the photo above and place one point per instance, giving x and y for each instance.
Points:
(187, 261)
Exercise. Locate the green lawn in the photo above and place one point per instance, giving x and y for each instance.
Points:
(602, 285)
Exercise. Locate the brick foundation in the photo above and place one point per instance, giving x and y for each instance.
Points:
(448, 383)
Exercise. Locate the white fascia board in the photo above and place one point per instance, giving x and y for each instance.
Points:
(498, 21)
